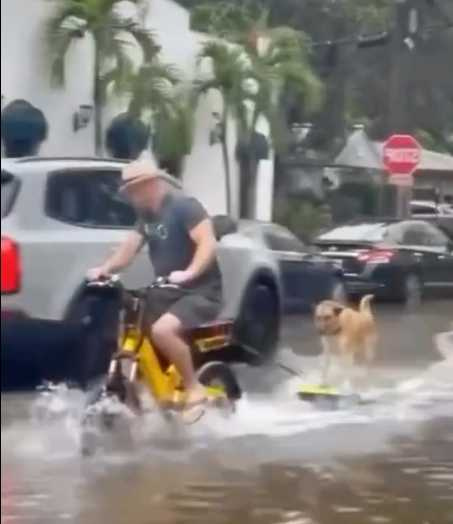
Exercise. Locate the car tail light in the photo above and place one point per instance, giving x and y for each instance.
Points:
(376, 256)
(10, 266)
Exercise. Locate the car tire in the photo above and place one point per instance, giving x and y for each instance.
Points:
(412, 290)
(257, 328)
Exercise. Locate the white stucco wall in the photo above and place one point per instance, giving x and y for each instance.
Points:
(25, 74)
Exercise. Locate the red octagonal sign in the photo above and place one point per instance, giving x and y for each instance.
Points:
(401, 154)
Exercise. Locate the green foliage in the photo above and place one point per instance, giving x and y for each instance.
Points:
(112, 35)
(73, 19)
(303, 217)
(253, 67)
(222, 19)
(354, 199)
(174, 126)
(357, 80)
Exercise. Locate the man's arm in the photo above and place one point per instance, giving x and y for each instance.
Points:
(205, 252)
(121, 258)
(199, 226)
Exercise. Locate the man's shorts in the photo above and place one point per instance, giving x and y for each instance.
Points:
(192, 307)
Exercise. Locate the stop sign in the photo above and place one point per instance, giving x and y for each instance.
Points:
(401, 155)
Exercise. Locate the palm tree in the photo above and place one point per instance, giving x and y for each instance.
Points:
(112, 35)
(156, 90)
(282, 64)
(279, 63)
(229, 72)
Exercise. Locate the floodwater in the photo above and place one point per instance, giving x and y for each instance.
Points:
(275, 461)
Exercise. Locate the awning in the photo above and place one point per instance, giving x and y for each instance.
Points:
(361, 152)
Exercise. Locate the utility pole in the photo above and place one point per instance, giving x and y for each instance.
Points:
(402, 49)
(396, 113)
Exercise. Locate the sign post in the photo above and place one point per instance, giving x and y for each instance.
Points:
(401, 157)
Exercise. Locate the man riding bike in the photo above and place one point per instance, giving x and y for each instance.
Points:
(182, 247)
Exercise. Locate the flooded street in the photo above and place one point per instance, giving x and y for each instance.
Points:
(275, 461)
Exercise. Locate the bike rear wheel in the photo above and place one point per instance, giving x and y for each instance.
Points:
(221, 383)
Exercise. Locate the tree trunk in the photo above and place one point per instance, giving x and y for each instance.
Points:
(226, 162)
(98, 102)
(248, 176)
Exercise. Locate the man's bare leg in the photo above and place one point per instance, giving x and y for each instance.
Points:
(166, 334)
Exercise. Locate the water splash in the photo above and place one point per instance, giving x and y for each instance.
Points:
(53, 428)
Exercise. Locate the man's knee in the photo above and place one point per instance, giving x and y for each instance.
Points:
(165, 328)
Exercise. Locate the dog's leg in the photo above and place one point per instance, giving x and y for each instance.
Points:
(347, 352)
(326, 359)
(370, 354)
(350, 370)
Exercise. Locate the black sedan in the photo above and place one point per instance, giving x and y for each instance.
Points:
(392, 259)
(307, 276)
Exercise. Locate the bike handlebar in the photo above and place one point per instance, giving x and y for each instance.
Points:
(114, 281)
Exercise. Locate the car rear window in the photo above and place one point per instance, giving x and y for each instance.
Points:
(9, 192)
(356, 233)
(88, 199)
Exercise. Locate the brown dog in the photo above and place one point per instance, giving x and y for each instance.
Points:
(346, 333)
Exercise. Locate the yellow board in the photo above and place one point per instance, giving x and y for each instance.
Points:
(314, 389)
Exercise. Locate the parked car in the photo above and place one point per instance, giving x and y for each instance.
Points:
(62, 216)
(429, 208)
(440, 215)
(307, 276)
(393, 259)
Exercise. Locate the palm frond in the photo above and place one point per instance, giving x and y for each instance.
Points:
(146, 41)
(121, 74)
(304, 83)
(60, 47)
(153, 86)
(229, 65)
(201, 87)
(174, 125)
(60, 32)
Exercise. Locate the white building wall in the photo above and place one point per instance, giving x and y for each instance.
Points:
(25, 74)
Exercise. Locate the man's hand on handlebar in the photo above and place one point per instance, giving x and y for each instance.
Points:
(180, 277)
(98, 273)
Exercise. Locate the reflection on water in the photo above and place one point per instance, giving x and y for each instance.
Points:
(411, 483)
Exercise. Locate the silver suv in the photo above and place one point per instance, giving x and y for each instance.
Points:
(62, 216)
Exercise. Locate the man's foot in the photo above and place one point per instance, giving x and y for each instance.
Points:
(196, 395)
(195, 404)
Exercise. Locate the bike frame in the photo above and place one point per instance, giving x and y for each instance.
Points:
(134, 345)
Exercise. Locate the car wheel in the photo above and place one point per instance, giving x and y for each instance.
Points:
(339, 292)
(257, 328)
(412, 290)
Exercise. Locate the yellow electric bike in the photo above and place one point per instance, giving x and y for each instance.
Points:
(136, 366)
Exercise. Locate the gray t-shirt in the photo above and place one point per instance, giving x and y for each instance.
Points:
(171, 248)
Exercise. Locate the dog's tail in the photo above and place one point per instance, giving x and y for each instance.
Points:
(364, 305)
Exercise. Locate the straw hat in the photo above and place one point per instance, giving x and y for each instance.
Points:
(141, 171)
